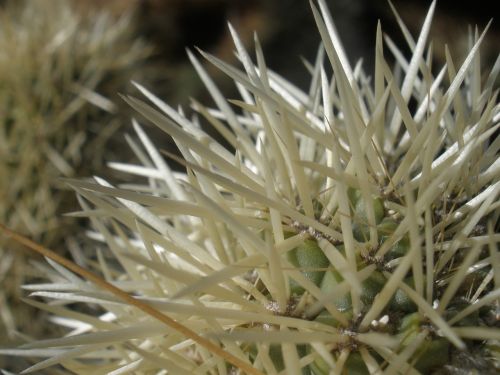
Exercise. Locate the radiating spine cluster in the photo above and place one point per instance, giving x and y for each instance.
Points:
(339, 231)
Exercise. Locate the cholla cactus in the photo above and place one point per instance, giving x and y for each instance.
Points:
(52, 58)
(347, 230)
(59, 58)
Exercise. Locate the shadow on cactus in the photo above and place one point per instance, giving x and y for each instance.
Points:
(351, 229)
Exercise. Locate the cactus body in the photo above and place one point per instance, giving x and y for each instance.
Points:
(340, 232)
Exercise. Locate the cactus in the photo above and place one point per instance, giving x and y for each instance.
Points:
(53, 59)
(348, 230)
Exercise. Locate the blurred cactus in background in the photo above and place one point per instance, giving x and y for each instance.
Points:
(60, 70)
(351, 228)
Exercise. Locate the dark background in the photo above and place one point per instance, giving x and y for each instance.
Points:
(287, 31)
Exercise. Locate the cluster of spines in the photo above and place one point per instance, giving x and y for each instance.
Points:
(319, 188)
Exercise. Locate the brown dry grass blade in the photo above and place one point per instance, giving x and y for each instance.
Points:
(127, 298)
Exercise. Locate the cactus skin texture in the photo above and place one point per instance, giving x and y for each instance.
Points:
(348, 230)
